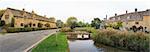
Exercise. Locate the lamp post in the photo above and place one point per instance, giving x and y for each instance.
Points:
(56, 37)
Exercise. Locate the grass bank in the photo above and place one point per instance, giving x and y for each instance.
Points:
(49, 44)
(138, 41)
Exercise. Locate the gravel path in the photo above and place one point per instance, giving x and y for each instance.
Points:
(18, 42)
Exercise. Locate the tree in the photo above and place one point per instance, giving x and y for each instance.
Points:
(118, 25)
(87, 25)
(71, 21)
(80, 24)
(59, 23)
(96, 23)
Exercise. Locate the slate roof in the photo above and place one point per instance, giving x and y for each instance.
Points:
(19, 13)
(133, 16)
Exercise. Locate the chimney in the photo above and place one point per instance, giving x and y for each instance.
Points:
(115, 14)
(106, 17)
(23, 12)
(148, 10)
(126, 11)
(45, 16)
(135, 9)
(23, 9)
(33, 14)
(32, 11)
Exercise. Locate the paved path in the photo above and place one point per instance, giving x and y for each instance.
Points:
(18, 42)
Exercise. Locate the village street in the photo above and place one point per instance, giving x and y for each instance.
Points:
(18, 42)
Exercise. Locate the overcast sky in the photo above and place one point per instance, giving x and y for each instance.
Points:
(84, 10)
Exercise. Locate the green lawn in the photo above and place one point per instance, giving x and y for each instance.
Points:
(49, 44)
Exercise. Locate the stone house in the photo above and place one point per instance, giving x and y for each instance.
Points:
(21, 19)
(138, 19)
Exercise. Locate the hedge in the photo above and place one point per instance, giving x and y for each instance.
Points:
(13, 30)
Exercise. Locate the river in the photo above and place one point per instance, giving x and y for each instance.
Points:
(88, 46)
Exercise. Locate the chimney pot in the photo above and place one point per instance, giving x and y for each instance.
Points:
(135, 9)
(44, 15)
(148, 10)
(32, 11)
(126, 11)
(23, 9)
(115, 14)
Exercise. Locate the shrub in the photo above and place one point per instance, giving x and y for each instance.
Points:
(88, 29)
(122, 39)
(13, 30)
(65, 29)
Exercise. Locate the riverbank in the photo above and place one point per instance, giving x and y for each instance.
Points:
(138, 41)
(50, 44)
(90, 46)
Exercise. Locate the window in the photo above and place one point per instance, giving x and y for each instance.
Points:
(40, 25)
(21, 24)
(30, 24)
(33, 24)
(128, 17)
(6, 16)
(136, 22)
(113, 18)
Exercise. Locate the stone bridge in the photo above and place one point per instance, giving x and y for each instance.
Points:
(78, 35)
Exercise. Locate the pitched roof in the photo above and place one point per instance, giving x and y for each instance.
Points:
(19, 13)
(139, 12)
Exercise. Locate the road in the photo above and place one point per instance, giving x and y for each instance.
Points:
(18, 42)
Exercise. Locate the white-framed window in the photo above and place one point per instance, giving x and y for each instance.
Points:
(113, 18)
(118, 18)
(128, 17)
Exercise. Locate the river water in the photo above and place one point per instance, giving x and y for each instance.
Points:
(88, 46)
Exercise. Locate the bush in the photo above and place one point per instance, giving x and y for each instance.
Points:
(124, 40)
(65, 29)
(13, 30)
(88, 29)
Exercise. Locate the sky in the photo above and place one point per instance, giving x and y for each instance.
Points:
(83, 10)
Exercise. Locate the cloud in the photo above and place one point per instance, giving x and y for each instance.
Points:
(84, 10)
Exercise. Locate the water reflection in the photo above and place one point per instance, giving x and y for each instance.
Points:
(88, 46)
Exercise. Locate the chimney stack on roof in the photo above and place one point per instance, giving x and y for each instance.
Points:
(126, 11)
(115, 14)
(148, 10)
(23, 9)
(106, 17)
(45, 16)
(135, 9)
(32, 12)
(23, 12)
